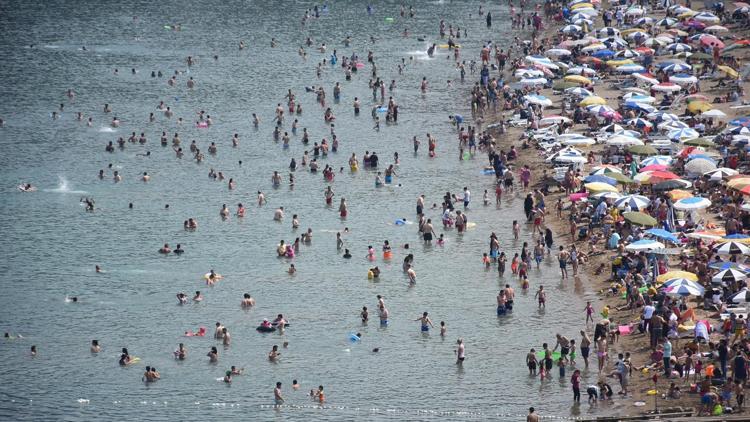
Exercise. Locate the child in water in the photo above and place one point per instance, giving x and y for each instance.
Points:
(486, 260)
(516, 230)
(441, 240)
(525, 283)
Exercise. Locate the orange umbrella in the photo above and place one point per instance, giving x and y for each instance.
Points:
(678, 194)
(746, 190)
(664, 175)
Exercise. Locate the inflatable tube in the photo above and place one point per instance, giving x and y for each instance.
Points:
(370, 275)
(470, 225)
(447, 46)
(202, 125)
(400, 222)
(360, 65)
(22, 188)
(540, 355)
(389, 19)
(134, 359)
(488, 172)
(421, 39)
(216, 276)
(382, 109)
(354, 338)
(262, 329)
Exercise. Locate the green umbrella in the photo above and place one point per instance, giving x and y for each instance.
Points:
(643, 150)
(620, 178)
(700, 56)
(700, 142)
(563, 85)
(639, 219)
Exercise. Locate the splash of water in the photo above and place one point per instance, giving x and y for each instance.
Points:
(63, 187)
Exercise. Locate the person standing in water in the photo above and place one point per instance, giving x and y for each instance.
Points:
(460, 352)
(426, 322)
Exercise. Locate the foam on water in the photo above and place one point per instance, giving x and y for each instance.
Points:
(63, 187)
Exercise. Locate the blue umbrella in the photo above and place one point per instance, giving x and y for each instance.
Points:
(699, 156)
(603, 53)
(723, 265)
(741, 121)
(663, 234)
(645, 108)
(600, 178)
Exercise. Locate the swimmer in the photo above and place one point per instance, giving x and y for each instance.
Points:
(460, 352)
(247, 301)
(291, 270)
(278, 398)
(95, 348)
(274, 354)
(347, 255)
(278, 215)
(182, 298)
(364, 315)
(426, 322)
(213, 355)
(295, 385)
(261, 198)
(198, 297)
(443, 329)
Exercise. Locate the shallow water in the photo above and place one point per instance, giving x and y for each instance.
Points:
(51, 245)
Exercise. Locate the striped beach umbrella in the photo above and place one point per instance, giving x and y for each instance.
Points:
(694, 203)
(634, 202)
(732, 248)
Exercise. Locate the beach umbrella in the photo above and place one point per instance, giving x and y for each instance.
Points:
(672, 125)
(558, 52)
(732, 248)
(711, 41)
(615, 43)
(663, 234)
(739, 182)
(603, 54)
(676, 274)
(653, 167)
(664, 160)
(578, 79)
(621, 178)
(716, 28)
(676, 67)
(696, 107)
(738, 130)
(700, 142)
(571, 29)
(642, 107)
(666, 87)
(740, 121)
(612, 128)
(623, 141)
(644, 245)
(690, 204)
(646, 21)
(706, 17)
(646, 77)
(583, 21)
(586, 11)
(693, 24)
(627, 54)
(671, 184)
(608, 31)
(579, 70)
(600, 109)
(533, 81)
(685, 133)
(720, 173)
(741, 296)
(592, 100)
(634, 202)
(736, 237)
(634, 97)
(548, 120)
(639, 123)
(635, 11)
(676, 281)
(538, 99)
(600, 178)
(593, 47)
(677, 48)
(728, 71)
(699, 166)
(607, 169)
(625, 132)
(656, 42)
(619, 62)
(665, 22)
(639, 219)
(714, 114)
(677, 194)
(728, 276)
(578, 142)
(578, 92)
(600, 187)
(683, 79)
(684, 289)
(637, 35)
(643, 150)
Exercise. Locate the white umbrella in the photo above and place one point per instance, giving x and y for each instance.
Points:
(635, 11)
(579, 70)
(645, 78)
(533, 81)
(694, 203)
(732, 248)
(538, 99)
(638, 98)
(558, 52)
(623, 141)
(720, 173)
(683, 79)
(630, 68)
(635, 202)
(528, 73)
(594, 47)
(741, 296)
(716, 28)
(644, 245)
(666, 87)
(661, 160)
(677, 281)
(571, 29)
(578, 92)
(699, 166)
(608, 195)
(706, 17)
(683, 134)
(686, 290)
(715, 113)
(728, 275)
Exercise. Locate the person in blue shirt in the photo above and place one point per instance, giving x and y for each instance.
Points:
(667, 349)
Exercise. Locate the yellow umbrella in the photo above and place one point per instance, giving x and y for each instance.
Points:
(631, 30)
(729, 71)
(677, 194)
(741, 240)
(578, 79)
(592, 100)
(676, 274)
(739, 183)
(600, 187)
(689, 14)
(581, 5)
(615, 63)
(699, 106)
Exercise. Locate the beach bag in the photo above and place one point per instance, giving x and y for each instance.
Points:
(718, 410)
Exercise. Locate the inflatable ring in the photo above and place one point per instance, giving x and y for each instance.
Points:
(263, 329)
(207, 276)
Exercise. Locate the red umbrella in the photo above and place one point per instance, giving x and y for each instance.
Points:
(654, 167)
(645, 50)
(664, 175)
(711, 41)
(686, 151)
